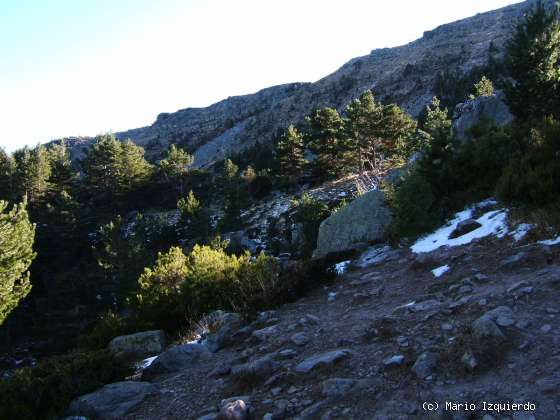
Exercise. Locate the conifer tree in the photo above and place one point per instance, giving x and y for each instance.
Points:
(235, 194)
(175, 167)
(290, 154)
(113, 167)
(62, 174)
(195, 219)
(484, 87)
(327, 140)
(532, 58)
(16, 254)
(6, 175)
(32, 171)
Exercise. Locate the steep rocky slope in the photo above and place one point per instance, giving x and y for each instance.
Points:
(390, 335)
(409, 75)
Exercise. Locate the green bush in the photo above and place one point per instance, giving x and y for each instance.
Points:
(532, 176)
(185, 287)
(310, 213)
(413, 211)
(108, 326)
(46, 390)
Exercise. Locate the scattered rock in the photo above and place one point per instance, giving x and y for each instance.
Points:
(267, 333)
(234, 410)
(299, 339)
(469, 360)
(113, 401)
(287, 354)
(425, 364)
(227, 325)
(342, 387)
(258, 368)
(502, 316)
(323, 359)
(176, 358)
(464, 227)
(376, 255)
(546, 328)
(139, 345)
(395, 360)
(486, 327)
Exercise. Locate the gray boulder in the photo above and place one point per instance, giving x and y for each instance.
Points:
(113, 401)
(139, 345)
(227, 325)
(175, 359)
(376, 255)
(239, 242)
(492, 108)
(258, 368)
(425, 364)
(464, 227)
(323, 359)
(363, 220)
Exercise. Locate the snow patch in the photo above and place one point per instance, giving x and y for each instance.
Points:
(492, 223)
(521, 231)
(146, 362)
(440, 271)
(550, 242)
(341, 267)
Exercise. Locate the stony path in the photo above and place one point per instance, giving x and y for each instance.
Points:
(381, 341)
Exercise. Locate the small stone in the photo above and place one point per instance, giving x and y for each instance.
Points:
(483, 302)
(292, 390)
(481, 278)
(323, 359)
(267, 333)
(469, 360)
(276, 391)
(552, 311)
(395, 360)
(287, 354)
(546, 328)
(522, 324)
(234, 410)
(425, 364)
(299, 339)
(343, 387)
(331, 297)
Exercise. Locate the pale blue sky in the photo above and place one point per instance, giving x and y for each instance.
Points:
(83, 67)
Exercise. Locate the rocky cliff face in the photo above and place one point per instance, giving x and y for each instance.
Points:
(409, 75)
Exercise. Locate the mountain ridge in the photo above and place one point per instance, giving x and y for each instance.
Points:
(409, 75)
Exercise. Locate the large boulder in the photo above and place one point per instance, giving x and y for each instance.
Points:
(139, 345)
(175, 359)
(491, 108)
(113, 401)
(227, 330)
(361, 221)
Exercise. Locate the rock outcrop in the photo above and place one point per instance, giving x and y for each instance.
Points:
(139, 345)
(112, 402)
(490, 108)
(363, 220)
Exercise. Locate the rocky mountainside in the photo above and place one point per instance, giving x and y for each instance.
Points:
(397, 336)
(408, 75)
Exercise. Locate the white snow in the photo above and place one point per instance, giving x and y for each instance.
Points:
(551, 241)
(521, 231)
(341, 267)
(440, 271)
(493, 223)
(146, 362)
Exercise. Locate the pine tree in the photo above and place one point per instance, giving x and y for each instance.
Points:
(290, 154)
(16, 254)
(6, 175)
(483, 88)
(437, 123)
(362, 125)
(236, 196)
(133, 170)
(112, 167)
(195, 219)
(532, 58)
(175, 167)
(376, 131)
(63, 175)
(327, 140)
(32, 171)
